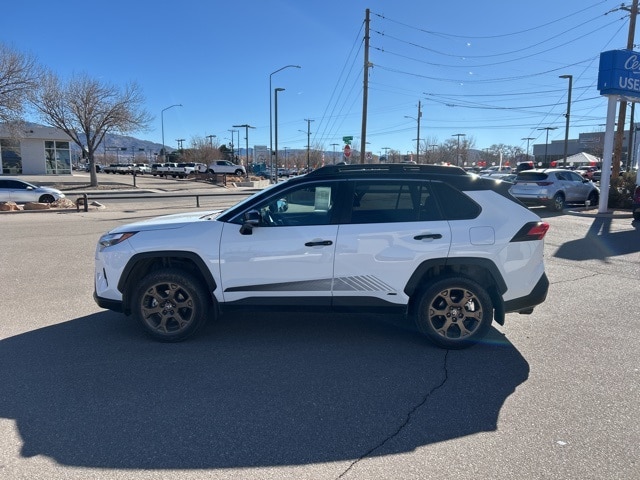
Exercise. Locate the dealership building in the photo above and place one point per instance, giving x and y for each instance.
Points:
(34, 150)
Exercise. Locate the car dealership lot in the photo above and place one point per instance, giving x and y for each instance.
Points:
(85, 394)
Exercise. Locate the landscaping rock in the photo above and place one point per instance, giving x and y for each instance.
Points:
(9, 207)
(36, 206)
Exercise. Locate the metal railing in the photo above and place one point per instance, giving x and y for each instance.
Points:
(83, 200)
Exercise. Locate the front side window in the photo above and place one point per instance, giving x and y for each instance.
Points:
(299, 206)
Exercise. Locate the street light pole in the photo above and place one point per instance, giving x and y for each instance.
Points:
(275, 93)
(546, 143)
(566, 131)
(334, 145)
(271, 114)
(527, 139)
(164, 151)
(458, 147)
(246, 138)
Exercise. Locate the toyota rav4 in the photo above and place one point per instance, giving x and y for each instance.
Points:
(452, 250)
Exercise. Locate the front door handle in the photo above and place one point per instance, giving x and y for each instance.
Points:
(434, 236)
(319, 243)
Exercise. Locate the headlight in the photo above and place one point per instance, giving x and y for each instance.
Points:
(111, 239)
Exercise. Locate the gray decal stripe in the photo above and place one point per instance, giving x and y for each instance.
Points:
(361, 283)
(320, 285)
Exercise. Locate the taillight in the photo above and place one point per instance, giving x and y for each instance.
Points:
(531, 231)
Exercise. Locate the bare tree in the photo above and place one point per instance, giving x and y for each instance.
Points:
(87, 109)
(19, 75)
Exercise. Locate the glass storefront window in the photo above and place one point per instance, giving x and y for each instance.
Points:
(10, 158)
(57, 157)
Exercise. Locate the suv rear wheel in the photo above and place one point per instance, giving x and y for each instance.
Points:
(454, 312)
(171, 305)
(557, 203)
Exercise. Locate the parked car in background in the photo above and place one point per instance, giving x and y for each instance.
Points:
(554, 188)
(141, 168)
(635, 206)
(225, 166)
(586, 171)
(19, 191)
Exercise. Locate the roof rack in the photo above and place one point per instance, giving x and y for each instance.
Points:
(389, 168)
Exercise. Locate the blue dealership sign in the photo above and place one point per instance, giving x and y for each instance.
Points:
(619, 73)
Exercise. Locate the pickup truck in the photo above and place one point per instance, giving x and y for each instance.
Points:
(165, 169)
(225, 166)
(117, 168)
(141, 168)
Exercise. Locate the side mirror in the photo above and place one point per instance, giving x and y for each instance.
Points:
(251, 219)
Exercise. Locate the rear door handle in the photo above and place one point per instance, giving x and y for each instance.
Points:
(319, 243)
(434, 236)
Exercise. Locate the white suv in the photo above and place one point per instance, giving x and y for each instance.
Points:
(452, 250)
(225, 166)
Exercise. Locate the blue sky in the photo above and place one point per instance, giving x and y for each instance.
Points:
(486, 69)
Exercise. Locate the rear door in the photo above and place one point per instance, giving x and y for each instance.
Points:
(392, 227)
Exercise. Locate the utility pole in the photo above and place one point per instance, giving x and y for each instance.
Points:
(308, 141)
(418, 137)
(365, 89)
(622, 113)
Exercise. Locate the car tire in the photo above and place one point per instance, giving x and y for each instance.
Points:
(557, 203)
(171, 305)
(454, 312)
(593, 198)
(46, 199)
(239, 172)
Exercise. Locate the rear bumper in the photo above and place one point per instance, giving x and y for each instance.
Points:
(536, 297)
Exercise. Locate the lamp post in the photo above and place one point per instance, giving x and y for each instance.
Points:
(271, 114)
(164, 150)
(275, 94)
(566, 130)
(458, 147)
(211, 137)
(233, 154)
(546, 143)
(418, 135)
(246, 138)
(180, 140)
(334, 145)
(527, 139)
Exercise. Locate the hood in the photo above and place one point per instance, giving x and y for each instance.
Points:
(177, 220)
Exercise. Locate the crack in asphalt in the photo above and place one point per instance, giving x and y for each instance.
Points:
(407, 420)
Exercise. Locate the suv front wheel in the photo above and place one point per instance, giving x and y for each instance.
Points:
(171, 305)
(454, 312)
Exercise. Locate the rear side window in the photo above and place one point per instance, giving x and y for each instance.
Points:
(391, 201)
(455, 205)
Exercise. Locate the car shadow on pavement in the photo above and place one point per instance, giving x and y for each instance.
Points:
(250, 390)
(601, 242)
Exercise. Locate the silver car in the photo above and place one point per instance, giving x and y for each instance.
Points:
(19, 191)
(554, 188)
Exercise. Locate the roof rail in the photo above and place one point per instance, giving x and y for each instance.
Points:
(389, 168)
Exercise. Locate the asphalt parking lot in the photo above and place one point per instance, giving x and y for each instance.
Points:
(84, 394)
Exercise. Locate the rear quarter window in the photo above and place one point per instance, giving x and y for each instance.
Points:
(455, 205)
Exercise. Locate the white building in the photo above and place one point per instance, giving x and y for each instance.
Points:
(34, 150)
